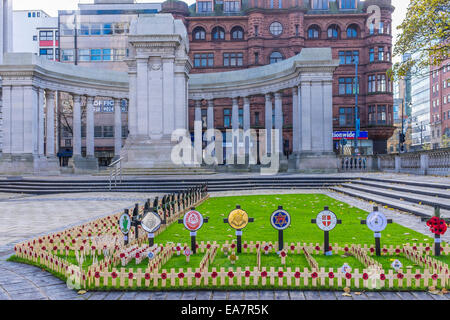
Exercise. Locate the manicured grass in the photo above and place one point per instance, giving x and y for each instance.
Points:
(245, 260)
(336, 261)
(445, 259)
(292, 261)
(302, 207)
(73, 260)
(386, 262)
(177, 262)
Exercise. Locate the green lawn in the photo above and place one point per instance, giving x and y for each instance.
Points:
(337, 261)
(302, 207)
(177, 262)
(386, 262)
(245, 260)
(73, 260)
(445, 259)
(292, 260)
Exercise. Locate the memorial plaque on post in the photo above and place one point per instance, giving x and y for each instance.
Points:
(238, 219)
(377, 222)
(125, 225)
(280, 220)
(326, 220)
(193, 221)
(151, 223)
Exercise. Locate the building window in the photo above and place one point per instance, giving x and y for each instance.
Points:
(233, 59)
(96, 29)
(275, 57)
(381, 28)
(372, 28)
(241, 118)
(84, 55)
(237, 33)
(372, 115)
(352, 31)
(372, 54)
(108, 131)
(346, 117)
(108, 29)
(232, 6)
(199, 33)
(256, 31)
(98, 132)
(333, 32)
(204, 6)
(348, 4)
(124, 131)
(119, 54)
(348, 57)
(84, 30)
(96, 54)
(256, 123)
(218, 33)
(256, 57)
(381, 83)
(67, 55)
(313, 32)
(46, 35)
(347, 86)
(381, 115)
(276, 28)
(381, 54)
(204, 118)
(47, 53)
(203, 60)
(34, 38)
(227, 118)
(120, 28)
(319, 4)
(66, 30)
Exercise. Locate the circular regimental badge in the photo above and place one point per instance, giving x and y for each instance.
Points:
(280, 219)
(151, 222)
(376, 221)
(193, 220)
(125, 223)
(238, 219)
(326, 220)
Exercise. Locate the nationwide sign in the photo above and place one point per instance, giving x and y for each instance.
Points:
(350, 135)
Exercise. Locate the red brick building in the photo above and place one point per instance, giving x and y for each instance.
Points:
(440, 103)
(231, 35)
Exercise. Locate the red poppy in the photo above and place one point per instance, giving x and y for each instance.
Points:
(427, 249)
(434, 276)
(266, 248)
(382, 276)
(348, 275)
(317, 248)
(43, 248)
(257, 245)
(418, 276)
(93, 248)
(280, 274)
(314, 275)
(415, 248)
(122, 255)
(283, 254)
(97, 274)
(346, 249)
(214, 275)
(372, 250)
(385, 250)
(164, 276)
(55, 248)
(400, 275)
(292, 248)
(178, 248)
(40, 240)
(198, 275)
(114, 275)
(233, 246)
(330, 275)
(297, 275)
(245, 246)
(397, 250)
(365, 276)
(264, 274)
(181, 275)
(230, 274)
(208, 246)
(147, 276)
(138, 255)
(247, 274)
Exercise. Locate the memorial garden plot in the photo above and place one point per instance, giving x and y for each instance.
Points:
(190, 241)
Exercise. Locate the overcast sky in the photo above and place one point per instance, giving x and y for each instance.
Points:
(52, 7)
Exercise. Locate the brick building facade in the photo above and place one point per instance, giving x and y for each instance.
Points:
(232, 35)
(440, 103)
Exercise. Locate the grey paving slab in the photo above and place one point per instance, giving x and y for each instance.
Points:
(361, 296)
(327, 295)
(340, 296)
(266, 295)
(174, 295)
(407, 296)
(422, 295)
(98, 296)
(220, 295)
(297, 295)
(160, 296)
(282, 295)
(61, 296)
(251, 295)
(236, 295)
(128, 296)
(115, 295)
(189, 295)
(439, 296)
(391, 295)
(312, 295)
(204, 295)
(143, 296)
(374, 295)
(3, 296)
(27, 296)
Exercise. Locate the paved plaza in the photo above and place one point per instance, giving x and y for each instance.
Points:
(27, 216)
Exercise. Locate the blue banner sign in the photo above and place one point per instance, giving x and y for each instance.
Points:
(350, 135)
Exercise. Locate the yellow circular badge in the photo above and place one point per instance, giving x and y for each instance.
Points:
(238, 219)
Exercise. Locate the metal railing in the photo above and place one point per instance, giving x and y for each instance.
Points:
(115, 172)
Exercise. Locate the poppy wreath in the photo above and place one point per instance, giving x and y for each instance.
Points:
(437, 226)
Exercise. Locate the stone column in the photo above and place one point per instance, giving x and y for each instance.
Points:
(76, 126)
(142, 125)
(306, 143)
(50, 145)
(247, 125)
(268, 123)
(327, 89)
(210, 114)
(117, 128)
(198, 159)
(132, 102)
(168, 87)
(90, 125)
(295, 122)
(317, 120)
(41, 120)
(279, 121)
(7, 119)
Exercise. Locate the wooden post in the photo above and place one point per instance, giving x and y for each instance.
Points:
(377, 234)
(326, 240)
(238, 232)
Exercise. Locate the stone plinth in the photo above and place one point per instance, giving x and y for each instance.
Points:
(81, 165)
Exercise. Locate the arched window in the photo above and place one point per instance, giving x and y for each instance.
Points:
(352, 31)
(237, 33)
(199, 33)
(218, 33)
(276, 57)
(333, 32)
(313, 32)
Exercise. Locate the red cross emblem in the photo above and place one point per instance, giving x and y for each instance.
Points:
(326, 220)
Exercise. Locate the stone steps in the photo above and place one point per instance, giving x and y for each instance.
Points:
(416, 209)
(428, 191)
(158, 171)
